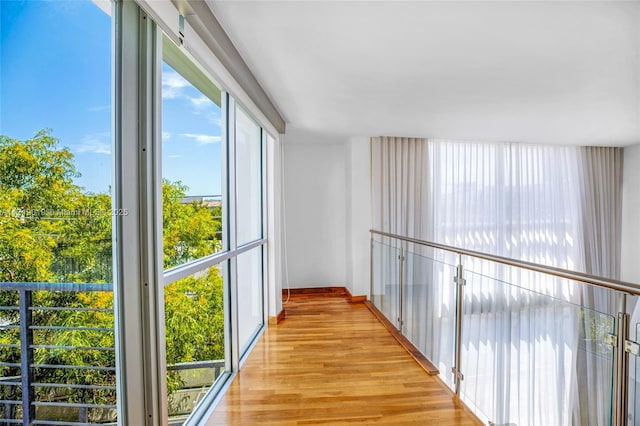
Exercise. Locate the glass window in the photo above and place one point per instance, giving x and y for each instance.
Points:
(55, 212)
(192, 161)
(195, 334)
(248, 178)
(250, 299)
(193, 170)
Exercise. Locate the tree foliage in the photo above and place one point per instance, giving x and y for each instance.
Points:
(51, 230)
(194, 321)
(190, 231)
(36, 178)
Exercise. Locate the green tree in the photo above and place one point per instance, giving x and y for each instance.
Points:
(46, 235)
(83, 253)
(194, 324)
(190, 230)
(194, 307)
(53, 231)
(36, 177)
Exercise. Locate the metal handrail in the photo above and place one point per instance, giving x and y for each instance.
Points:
(47, 286)
(194, 365)
(617, 285)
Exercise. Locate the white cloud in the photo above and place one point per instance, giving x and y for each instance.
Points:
(166, 136)
(200, 102)
(99, 108)
(172, 85)
(201, 138)
(97, 143)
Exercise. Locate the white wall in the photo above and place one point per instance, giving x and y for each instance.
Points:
(274, 226)
(358, 215)
(315, 219)
(327, 211)
(630, 270)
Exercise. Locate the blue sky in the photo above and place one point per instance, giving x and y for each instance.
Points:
(191, 148)
(55, 73)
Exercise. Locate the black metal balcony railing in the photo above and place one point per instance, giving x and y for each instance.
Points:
(59, 353)
(57, 357)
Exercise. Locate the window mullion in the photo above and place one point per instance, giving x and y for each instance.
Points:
(141, 400)
(233, 234)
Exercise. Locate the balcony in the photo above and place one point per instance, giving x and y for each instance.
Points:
(61, 335)
(58, 354)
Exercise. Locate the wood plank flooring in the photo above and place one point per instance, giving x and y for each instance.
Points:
(332, 362)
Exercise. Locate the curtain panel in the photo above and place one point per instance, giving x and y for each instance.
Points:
(529, 354)
(401, 186)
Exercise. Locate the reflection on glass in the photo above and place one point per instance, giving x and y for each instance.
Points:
(194, 326)
(55, 212)
(249, 178)
(191, 166)
(250, 305)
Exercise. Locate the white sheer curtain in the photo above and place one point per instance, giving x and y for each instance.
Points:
(527, 358)
(513, 200)
(400, 185)
(600, 193)
(600, 189)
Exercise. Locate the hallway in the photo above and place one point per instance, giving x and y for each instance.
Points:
(333, 362)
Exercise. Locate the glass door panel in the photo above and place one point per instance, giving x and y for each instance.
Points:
(248, 178)
(193, 224)
(195, 335)
(250, 296)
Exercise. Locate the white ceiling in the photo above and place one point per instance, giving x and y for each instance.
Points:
(547, 72)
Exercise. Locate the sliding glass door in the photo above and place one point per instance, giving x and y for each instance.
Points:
(194, 205)
(212, 224)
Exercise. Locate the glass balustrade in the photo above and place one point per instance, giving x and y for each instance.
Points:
(428, 315)
(532, 348)
(532, 359)
(385, 280)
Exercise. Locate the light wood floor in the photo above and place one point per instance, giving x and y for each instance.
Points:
(332, 362)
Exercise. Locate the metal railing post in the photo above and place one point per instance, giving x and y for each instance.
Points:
(371, 268)
(400, 292)
(621, 379)
(460, 282)
(26, 358)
